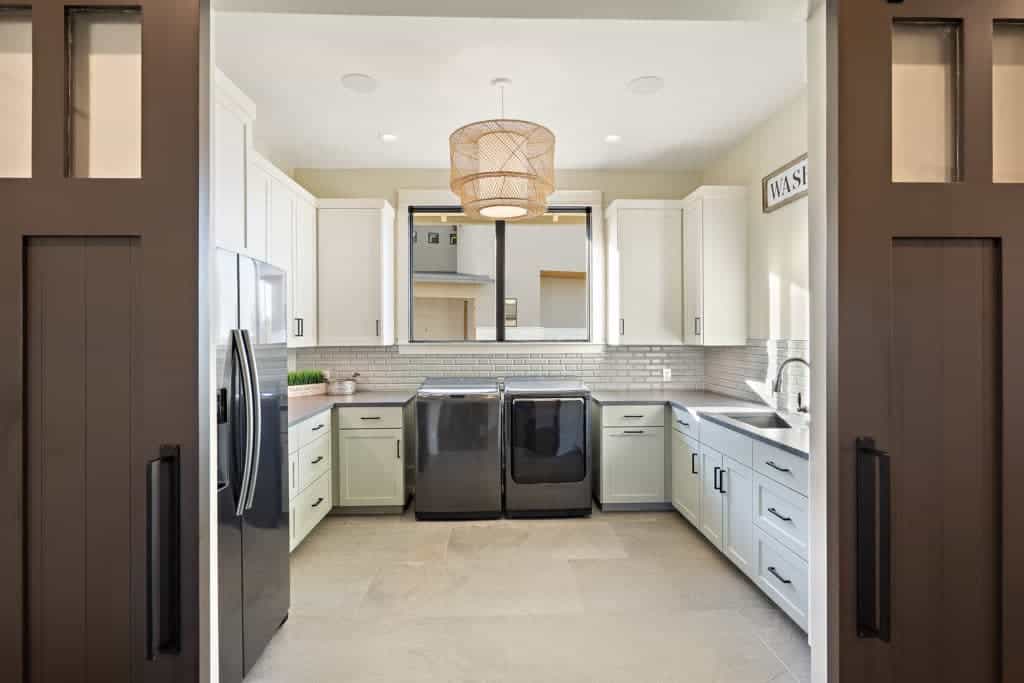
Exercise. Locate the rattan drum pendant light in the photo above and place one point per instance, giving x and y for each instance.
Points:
(503, 169)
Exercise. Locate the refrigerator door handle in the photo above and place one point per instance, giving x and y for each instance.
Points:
(242, 356)
(257, 410)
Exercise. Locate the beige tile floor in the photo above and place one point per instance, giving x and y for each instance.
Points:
(616, 597)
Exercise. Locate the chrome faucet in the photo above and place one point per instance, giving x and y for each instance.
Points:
(777, 385)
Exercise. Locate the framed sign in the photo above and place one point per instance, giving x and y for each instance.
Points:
(785, 184)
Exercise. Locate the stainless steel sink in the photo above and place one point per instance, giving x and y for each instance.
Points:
(760, 420)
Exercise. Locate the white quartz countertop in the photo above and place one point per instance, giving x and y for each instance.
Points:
(305, 407)
(714, 407)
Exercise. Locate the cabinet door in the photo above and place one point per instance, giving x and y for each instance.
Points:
(279, 234)
(633, 465)
(650, 251)
(711, 503)
(686, 482)
(693, 273)
(304, 275)
(370, 468)
(737, 487)
(350, 279)
(257, 211)
(229, 166)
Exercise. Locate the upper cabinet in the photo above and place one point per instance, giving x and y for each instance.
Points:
(289, 214)
(645, 286)
(303, 274)
(356, 257)
(715, 266)
(232, 141)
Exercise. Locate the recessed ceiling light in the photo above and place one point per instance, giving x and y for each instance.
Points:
(360, 83)
(388, 137)
(646, 85)
(613, 138)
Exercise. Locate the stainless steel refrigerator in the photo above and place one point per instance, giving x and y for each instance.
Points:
(252, 430)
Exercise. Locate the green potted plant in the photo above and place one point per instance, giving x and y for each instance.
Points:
(306, 383)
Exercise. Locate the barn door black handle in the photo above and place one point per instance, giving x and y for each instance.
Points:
(874, 539)
(163, 554)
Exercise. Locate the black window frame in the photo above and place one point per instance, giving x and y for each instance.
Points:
(499, 278)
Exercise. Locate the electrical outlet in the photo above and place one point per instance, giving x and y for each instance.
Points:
(666, 374)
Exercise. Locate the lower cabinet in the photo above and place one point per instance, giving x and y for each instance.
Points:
(686, 481)
(736, 484)
(370, 470)
(782, 576)
(753, 509)
(633, 465)
(711, 512)
(309, 476)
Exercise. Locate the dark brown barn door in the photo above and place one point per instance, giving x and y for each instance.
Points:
(930, 383)
(99, 349)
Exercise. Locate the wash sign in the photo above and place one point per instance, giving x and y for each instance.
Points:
(784, 185)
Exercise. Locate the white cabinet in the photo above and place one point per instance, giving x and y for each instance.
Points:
(309, 475)
(736, 486)
(370, 470)
(711, 510)
(632, 465)
(232, 138)
(257, 208)
(356, 259)
(686, 482)
(645, 286)
(714, 258)
(304, 275)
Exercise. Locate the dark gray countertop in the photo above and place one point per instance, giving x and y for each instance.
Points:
(711, 406)
(303, 408)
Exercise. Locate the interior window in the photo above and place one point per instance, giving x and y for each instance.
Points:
(544, 285)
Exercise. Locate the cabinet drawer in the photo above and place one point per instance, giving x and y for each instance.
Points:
(313, 428)
(782, 466)
(293, 475)
(311, 506)
(370, 418)
(783, 577)
(727, 442)
(633, 416)
(633, 465)
(782, 513)
(685, 422)
(314, 460)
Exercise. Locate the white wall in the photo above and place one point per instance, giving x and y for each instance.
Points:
(530, 249)
(385, 183)
(823, 304)
(777, 276)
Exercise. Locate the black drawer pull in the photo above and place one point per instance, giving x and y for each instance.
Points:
(780, 516)
(685, 424)
(779, 468)
(320, 458)
(633, 431)
(633, 417)
(318, 501)
(693, 463)
(714, 478)
(317, 428)
(779, 576)
(374, 417)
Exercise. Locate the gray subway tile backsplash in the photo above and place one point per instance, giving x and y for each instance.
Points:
(744, 371)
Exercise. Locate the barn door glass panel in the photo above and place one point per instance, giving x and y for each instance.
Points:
(105, 92)
(925, 102)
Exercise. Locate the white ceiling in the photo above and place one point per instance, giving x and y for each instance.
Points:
(721, 79)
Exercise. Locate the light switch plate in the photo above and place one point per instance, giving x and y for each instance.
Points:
(666, 374)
